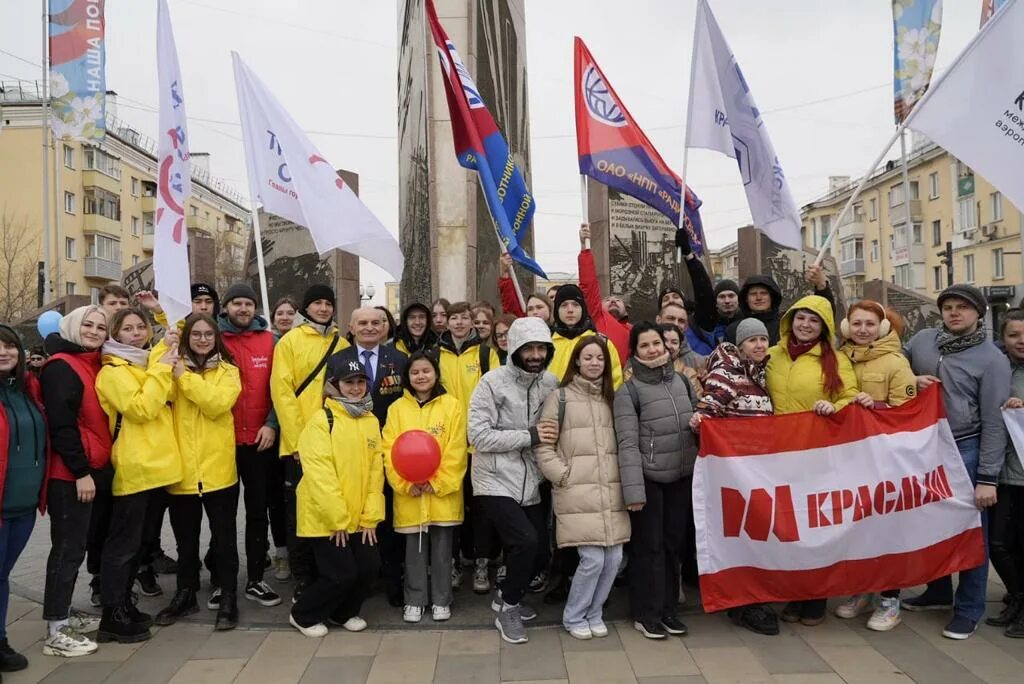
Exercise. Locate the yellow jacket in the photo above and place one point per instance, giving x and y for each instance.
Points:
(145, 454)
(795, 386)
(563, 352)
(342, 485)
(296, 355)
(460, 370)
(445, 419)
(206, 429)
(882, 370)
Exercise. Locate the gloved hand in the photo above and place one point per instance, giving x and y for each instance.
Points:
(683, 242)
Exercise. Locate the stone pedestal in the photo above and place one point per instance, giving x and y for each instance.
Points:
(918, 311)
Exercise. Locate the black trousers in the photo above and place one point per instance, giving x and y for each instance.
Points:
(122, 551)
(99, 526)
(476, 537)
(1006, 536)
(300, 556)
(69, 531)
(521, 529)
(343, 578)
(155, 525)
(391, 545)
(256, 470)
(221, 508)
(275, 502)
(659, 535)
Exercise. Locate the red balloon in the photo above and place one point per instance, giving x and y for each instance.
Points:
(416, 456)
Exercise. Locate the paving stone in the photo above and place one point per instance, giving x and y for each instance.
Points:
(342, 644)
(115, 652)
(468, 669)
(282, 657)
(692, 679)
(730, 664)
(346, 670)
(39, 666)
(784, 653)
(536, 681)
(237, 643)
(978, 655)
(406, 657)
(81, 671)
(608, 643)
(25, 632)
(709, 630)
(162, 656)
(918, 658)
(832, 632)
(599, 667)
(18, 608)
(209, 671)
(666, 658)
(861, 663)
(807, 678)
(538, 659)
(470, 643)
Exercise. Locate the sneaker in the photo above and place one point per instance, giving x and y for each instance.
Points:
(67, 643)
(926, 602)
(314, 631)
(499, 574)
(526, 613)
(758, 618)
(354, 624)
(412, 614)
(282, 569)
(83, 623)
(146, 579)
(651, 630)
(261, 593)
(95, 596)
(673, 625)
(599, 629)
(791, 613)
(164, 564)
(959, 628)
(1011, 610)
(886, 615)
(213, 601)
(1016, 630)
(456, 576)
(441, 613)
(510, 625)
(11, 660)
(854, 606)
(481, 581)
(582, 633)
(539, 583)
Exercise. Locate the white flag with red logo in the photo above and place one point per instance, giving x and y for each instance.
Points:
(174, 185)
(800, 507)
(291, 179)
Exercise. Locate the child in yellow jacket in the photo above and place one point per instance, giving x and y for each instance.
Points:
(428, 513)
(339, 502)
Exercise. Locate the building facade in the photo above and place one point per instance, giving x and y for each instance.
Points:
(102, 204)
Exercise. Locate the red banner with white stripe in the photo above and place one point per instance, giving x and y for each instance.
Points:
(802, 506)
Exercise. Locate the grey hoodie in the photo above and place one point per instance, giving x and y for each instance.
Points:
(503, 411)
(975, 385)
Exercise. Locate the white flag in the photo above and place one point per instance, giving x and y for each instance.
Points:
(723, 117)
(174, 186)
(1014, 420)
(291, 179)
(976, 109)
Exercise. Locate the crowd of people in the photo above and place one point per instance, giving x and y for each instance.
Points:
(568, 436)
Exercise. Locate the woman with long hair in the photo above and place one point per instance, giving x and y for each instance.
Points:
(483, 321)
(583, 468)
(439, 315)
(501, 326)
(282, 316)
(387, 335)
(206, 386)
(136, 396)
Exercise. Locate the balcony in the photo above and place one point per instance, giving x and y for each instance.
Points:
(98, 179)
(913, 254)
(95, 223)
(102, 269)
(898, 214)
(853, 228)
(197, 223)
(148, 204)
(853, 267)
(147, 242)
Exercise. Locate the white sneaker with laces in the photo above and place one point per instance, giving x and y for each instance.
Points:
(598, 629)
(886, 615)
(354, 624)
(314, 632)
(854, 606)
(582, 633)
(83, 623)
(412, 613)
(66, 643)
(441, 613)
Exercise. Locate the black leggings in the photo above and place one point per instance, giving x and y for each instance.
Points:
(1006, 536)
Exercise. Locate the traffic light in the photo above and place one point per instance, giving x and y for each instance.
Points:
(946, 257)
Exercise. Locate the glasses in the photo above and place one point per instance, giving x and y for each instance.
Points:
(501, 336)
(199, 335)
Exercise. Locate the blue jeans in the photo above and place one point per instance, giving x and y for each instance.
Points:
(969, 601)
(14, 534)
(591, 585)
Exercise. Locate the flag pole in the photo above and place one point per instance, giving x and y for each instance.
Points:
(503, 248)
(908, 224)
(45, 128)
(686, 147)
(256, 235)
(585, 206)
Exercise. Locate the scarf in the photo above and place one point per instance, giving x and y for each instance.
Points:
(796, 348)
(356, 407)
(654, 364)
(211, 362)
(951, 344)
(71, 324)
(133, 355)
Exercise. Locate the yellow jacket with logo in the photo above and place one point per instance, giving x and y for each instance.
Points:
(882, 370)
(443, 417)
(563, 352)
(795, 386)
(296, 355)
(342, 485)
(460, 369)
(145, 454)
(206, 429)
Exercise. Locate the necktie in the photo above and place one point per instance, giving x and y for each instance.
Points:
(367, 355)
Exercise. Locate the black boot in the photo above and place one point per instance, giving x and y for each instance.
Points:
(1010, 612)
(117, 625)
(148, 585)
(184, 603)
(11, 660)
(227, 615)
(136, 615)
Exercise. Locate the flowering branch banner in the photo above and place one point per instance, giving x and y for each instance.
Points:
(916, 25)
(78, 61)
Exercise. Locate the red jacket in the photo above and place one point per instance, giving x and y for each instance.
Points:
(253, 351)
(32, 390)
(606, 325)
(93, 423)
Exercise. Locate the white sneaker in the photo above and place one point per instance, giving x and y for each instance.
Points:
(598, 629)
(354, 624)
(886, 615)
(83, 623)
(582, 633)
(315, 632)
(66, 643)
(456, 576)
(481, 582)
(441, 613)
(412, 614)
(854, 606)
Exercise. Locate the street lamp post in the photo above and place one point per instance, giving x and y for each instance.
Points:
(366, 292)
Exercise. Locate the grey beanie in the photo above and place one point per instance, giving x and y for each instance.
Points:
(241, 291)
(749, 327)
(968, 293)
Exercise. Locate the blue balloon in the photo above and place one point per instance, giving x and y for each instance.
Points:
(49, 322)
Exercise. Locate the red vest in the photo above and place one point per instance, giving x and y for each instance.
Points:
(93, 423)
(253, 351)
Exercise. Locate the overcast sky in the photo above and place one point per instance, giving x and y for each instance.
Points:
(820, 71)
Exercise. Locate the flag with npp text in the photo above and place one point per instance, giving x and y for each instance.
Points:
(801, 506)
(480, 147)
(614, 150)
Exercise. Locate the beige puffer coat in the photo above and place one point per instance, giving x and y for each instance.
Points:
(583, 469)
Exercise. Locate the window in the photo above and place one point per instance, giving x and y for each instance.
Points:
(896, 193)
(874, 251)
(99, 201)
(135, 226)
(70, 249)
(903, 276)
(969, 268)
(193, 211)
(69, 156)
(933, 185)
(914, 193)
(873, 209)
(147, 224)
(917, 234)
(936, 233)
(135, 259)
(218, 224)
(998, 271)
(69, 288)
(135, 186)
(826, 227)
(98, 160)
(103, 247)
(852, 249)
(69, 202)
(937, 278)
(997, 206)
(968, 213)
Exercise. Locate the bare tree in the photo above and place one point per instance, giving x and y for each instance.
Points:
(229, 265)
(18, 267)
